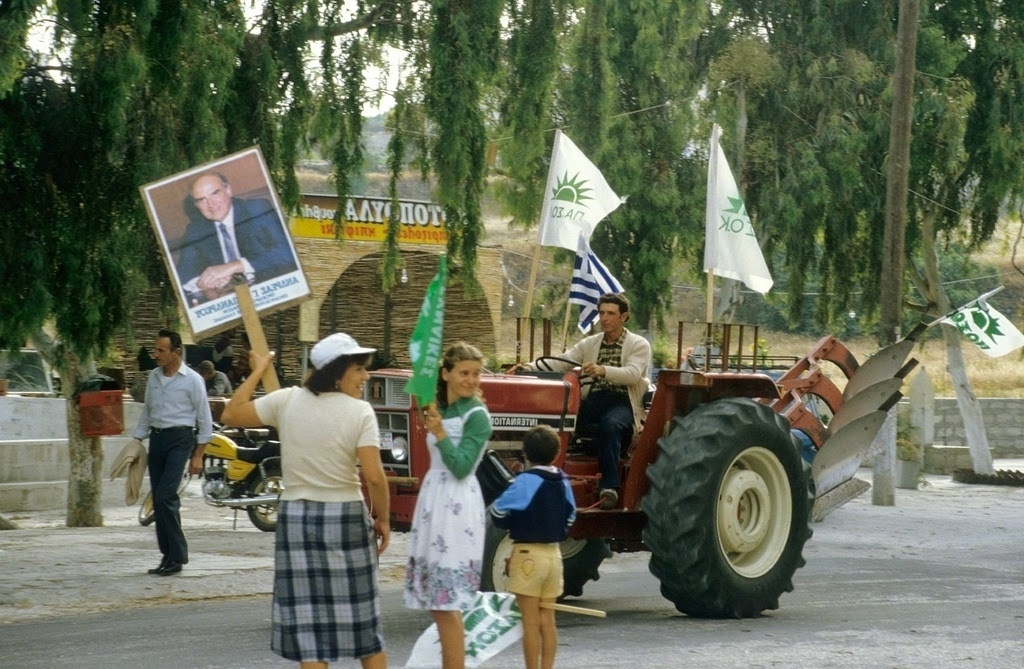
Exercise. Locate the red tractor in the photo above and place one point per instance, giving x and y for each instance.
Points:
(715, 485)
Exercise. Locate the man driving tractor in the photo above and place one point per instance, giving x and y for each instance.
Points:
(617, 360)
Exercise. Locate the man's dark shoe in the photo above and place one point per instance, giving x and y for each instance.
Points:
(170, 568)
(156, 569)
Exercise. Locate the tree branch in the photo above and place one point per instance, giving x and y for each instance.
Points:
(319, 33)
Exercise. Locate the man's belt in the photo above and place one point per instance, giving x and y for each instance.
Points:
(160, 430)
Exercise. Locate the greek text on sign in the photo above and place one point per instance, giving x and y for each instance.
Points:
(366, 218)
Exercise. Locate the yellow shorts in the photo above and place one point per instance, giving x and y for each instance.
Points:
(535, 570)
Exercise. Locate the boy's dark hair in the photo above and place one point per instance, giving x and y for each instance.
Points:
(541, 445)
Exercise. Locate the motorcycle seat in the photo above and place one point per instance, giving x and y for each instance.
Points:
(270, 449)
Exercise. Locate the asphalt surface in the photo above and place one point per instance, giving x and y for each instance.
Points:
(49, 570)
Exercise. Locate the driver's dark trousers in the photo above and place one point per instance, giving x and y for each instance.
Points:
(169, 451)
(612, 414)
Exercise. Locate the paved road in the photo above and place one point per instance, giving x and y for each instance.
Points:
(935, 582)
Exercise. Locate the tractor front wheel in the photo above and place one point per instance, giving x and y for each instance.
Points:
(728, 510)
(580, 561)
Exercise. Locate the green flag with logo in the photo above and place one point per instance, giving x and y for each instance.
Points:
(425, 345)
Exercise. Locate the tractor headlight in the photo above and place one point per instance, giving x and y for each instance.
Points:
(399, 449)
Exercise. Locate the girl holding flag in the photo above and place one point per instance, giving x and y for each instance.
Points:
(446, 543)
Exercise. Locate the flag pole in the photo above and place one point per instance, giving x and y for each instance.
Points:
(533, 280)
(710, 309)
(565, 325)
(980, 298)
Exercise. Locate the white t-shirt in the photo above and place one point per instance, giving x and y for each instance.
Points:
(319, 437)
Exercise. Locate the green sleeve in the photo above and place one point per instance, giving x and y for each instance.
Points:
(475, 433)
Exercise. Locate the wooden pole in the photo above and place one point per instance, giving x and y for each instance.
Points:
(710, 311)
(254, 329)
(533, 279)
(574, 609)
(565, 325)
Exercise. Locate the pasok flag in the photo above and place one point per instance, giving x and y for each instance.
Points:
(590, 280)
(993, 332)
(576, 197)
(425, 344)
(730, 245)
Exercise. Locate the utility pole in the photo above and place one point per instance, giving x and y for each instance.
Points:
(893, 241)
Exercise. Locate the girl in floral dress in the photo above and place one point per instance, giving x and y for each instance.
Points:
(446, 544)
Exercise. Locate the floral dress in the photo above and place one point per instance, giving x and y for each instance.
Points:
(446, 543)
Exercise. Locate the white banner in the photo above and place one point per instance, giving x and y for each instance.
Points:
(492, 624)
(730, 247)
(576, 197)
(993, 332)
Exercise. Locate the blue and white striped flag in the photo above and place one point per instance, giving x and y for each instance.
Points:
(590, 280)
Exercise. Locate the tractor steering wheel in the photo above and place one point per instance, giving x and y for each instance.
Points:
(544, 363)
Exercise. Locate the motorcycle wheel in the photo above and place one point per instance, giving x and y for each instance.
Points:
(146, 513)
(264, 517)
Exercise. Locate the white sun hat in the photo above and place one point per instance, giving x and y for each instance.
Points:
(333, 347)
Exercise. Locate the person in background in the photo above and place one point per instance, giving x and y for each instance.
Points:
(223, 354)
(175, 404)
(618, 362)
(326, 601)
(446, 543)
(537, 508)
(217, 382)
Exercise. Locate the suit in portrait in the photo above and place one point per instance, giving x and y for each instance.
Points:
(259, 235)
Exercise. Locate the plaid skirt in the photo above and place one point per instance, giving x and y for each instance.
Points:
(326, 597)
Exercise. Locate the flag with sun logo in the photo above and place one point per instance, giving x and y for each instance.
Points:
(993, 332)
(730, 246)
(576, 197)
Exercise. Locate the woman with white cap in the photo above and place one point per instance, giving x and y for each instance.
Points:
(326, 602)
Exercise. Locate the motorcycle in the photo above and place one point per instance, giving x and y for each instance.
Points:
(242, 470)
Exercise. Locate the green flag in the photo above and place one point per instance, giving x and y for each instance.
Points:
(425, 345)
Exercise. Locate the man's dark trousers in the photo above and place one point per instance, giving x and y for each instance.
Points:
(169, 450)
(613, 415)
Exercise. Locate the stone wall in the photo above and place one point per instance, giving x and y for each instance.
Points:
(1004, 425)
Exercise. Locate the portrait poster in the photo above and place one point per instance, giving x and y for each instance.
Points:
(218, 224)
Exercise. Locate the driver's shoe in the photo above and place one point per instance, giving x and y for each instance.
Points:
(609, 498)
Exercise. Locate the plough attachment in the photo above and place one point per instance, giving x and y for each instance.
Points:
(858, 411)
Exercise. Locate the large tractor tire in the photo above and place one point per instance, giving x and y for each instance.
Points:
(728, 511)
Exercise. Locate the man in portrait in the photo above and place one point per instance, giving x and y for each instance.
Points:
(227, 235)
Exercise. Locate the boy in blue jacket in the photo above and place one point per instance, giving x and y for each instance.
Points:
(537, 509)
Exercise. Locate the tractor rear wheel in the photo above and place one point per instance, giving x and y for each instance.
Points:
(728, 510)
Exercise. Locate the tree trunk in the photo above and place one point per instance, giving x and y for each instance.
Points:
(85, 478)
(967, 401)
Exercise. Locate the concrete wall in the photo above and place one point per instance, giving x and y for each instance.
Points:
(34, 462)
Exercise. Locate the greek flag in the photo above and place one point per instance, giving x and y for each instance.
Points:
(590, 280)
